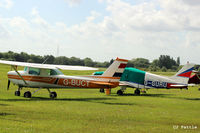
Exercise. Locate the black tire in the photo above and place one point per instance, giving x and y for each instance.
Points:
(27, 94)
(199, 89)
(137, 92)
(119, 92)
(53, 95)
(101, 90)
(17, 93)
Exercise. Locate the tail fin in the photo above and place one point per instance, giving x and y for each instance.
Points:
(116, 68)
(183, 75)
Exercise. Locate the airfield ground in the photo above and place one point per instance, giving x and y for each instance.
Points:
(88, 111)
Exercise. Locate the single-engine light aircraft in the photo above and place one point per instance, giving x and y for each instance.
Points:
(49, 76)
(139, 79)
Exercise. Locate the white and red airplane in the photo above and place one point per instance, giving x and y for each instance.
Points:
(48, 76)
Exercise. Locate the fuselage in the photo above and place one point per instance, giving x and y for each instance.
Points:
(140, 79)
(43, 78)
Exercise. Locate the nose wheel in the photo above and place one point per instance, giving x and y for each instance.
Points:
(53, 95)
(17, 93)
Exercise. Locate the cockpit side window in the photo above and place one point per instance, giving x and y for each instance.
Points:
(34, 71)
(53, 72)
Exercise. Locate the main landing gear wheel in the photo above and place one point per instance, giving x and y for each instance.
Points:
(137, 92)
(101, 90)
(119, 92)
(17, 93)
(53, 95)
(27, 94)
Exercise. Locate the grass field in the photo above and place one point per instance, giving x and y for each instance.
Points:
(88, 111)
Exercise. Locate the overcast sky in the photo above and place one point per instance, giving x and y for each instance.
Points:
(102, 29)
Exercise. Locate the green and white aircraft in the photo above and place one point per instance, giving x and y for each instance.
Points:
(139, 79)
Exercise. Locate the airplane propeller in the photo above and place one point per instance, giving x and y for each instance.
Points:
(8, 85)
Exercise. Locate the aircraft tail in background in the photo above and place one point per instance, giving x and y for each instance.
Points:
(183, 75)
(116, 68)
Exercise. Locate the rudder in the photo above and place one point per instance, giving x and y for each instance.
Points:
(183, 75)
(116, 68)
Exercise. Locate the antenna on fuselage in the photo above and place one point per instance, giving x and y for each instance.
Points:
(57, 52)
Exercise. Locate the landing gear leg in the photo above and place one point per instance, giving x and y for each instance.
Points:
(137, 91)
(52, 94)
(108, 91)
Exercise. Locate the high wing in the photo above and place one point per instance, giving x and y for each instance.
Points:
(46, 66)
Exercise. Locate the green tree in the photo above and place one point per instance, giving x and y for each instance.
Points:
(76, 61)
(141, 63)
(62, 60)
(166, 61)
(178, 61)
(49, 59)
(88, 62)
(164, 69)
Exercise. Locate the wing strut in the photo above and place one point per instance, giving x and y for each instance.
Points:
(15, 68)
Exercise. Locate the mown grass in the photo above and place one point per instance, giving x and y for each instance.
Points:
(88, 111)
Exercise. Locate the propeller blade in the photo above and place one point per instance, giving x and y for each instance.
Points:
(8, 85)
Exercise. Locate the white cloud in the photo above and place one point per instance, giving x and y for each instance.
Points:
(38, 20)
(147, 30)
(34, 12)
(73, 2)
(6, 4)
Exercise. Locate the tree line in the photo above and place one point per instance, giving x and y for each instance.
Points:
(163, 63)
